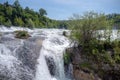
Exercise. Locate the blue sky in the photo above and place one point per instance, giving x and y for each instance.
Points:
(63, 9)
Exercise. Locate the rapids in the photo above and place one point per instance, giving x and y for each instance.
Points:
(39, 57)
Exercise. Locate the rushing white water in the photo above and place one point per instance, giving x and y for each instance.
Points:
(114, 34)
(53, 46)
(17, 53)
(11, 29)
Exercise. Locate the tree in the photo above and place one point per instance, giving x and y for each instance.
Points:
(8, 23)
(16, 3)
(6, 3)
(30, 23)
(84, 28)
(42, 12)
(2, 20)
(8, 12)
(18, 22)
(17, 16)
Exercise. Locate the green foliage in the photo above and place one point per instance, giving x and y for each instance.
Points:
(66, 58)
(2, 20)
(85, 27)
(8, 23)
(21, 34)
(31, 23)
(15, 15)
(18, 22)
(117, 53)
(85, 65)
(42, 12)
(16, 3)
(85, 30)
(116, 19)
(109, 54)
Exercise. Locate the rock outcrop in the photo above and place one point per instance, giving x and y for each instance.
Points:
(86, 69)
(76, 59)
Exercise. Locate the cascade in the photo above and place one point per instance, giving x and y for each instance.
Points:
(39, 57)
(52, 55)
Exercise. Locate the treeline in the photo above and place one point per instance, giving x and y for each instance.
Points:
(15, 15)
(116, 19)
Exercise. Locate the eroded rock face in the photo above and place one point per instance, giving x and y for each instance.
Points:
(86, 69)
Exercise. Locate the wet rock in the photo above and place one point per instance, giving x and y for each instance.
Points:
(80, 75)
(112, 75)
(51, 65)
(80, 72)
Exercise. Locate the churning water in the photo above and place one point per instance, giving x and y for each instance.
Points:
(38, 58)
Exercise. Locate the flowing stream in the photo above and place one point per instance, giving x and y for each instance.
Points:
(39, 57)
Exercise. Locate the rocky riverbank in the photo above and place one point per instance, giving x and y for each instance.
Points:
(89, 69)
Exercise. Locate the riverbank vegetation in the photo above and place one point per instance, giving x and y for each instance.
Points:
(15, 15)
(99, 52)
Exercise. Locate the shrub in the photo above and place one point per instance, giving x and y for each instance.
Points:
(117, 54)
(85, 65)
(21, 34)
(66, 58)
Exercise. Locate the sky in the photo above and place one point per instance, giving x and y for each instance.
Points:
(64, 9)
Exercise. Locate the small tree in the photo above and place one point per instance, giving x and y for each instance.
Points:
(16, 3)
(84, 28)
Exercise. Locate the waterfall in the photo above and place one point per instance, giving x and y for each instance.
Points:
(52, 54)
(42, 69)
(39, 57)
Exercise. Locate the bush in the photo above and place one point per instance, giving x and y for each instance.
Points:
(21, 34)
(117, 54)
(85, 65)
(66, 58)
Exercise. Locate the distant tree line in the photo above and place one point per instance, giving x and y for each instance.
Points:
(15, 15)
(116, 19)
